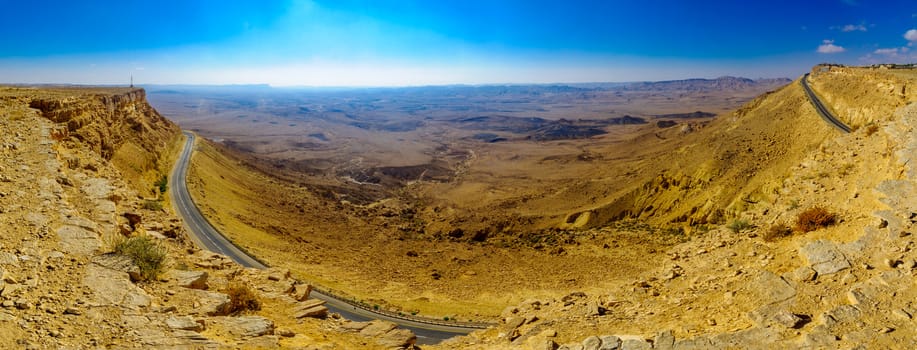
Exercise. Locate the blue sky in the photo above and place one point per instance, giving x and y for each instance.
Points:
(385, 43)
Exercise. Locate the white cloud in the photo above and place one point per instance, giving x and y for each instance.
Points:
(887, 52)
(911, 35)
(853, 28)
(828, 46)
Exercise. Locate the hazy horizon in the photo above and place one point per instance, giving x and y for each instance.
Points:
(303, 43)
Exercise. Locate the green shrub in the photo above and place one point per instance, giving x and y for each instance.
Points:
(145, 253)
(163, 184)
(152, 205)
(738, 225)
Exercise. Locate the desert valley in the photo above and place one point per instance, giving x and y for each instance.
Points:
(685, 214)
(483, 175)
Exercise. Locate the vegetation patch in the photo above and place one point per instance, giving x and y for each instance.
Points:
(814, 218)
(145, 253)
(739, 225)
(776, 232)
(241, 299)
(162, 184)
(871, 129)
(152, 205)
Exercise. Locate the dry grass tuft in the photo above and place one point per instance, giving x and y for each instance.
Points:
(776, 232)
(871, 129)
(241, 299)
(814, 218)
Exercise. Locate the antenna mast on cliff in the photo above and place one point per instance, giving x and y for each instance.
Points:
(132, 80)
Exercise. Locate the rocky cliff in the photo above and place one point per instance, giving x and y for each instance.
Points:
(120, 126)
(88, 259)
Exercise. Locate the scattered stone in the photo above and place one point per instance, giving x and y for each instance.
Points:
(72, 311)
(665, 340)
(377, 328)
(284, 332)
(397, 338)
(189, 279)
(635, 344)
(514, 322)
(787, 319)
(354, 326)
(311, 308)
(275, 274)
(119, 263)
(301, 292)
(824, 257)
(248, 326)
(772, 289)
(183, 323)
(211, 303)
(594, 309)
(592, 343)
(804, 274)
(610, 342)
(23, 304)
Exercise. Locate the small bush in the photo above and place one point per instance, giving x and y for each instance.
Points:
(777, 231)
(814, 218)
(241, 298)
(871, 129)
(738, 225)
(145, 253)
(163, 184)
(152, 205)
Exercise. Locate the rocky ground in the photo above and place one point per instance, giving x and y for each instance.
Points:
(847, 286)
(62, 208)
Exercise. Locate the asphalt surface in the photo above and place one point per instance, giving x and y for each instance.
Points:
(206, 236)
(821, 109)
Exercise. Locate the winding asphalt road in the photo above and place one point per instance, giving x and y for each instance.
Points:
(820, 107)
(206, 236)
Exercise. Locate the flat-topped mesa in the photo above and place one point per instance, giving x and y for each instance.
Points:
(118, 124)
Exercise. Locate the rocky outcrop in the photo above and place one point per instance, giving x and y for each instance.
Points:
(861, 96)
(121, 127)
(65, 206)
(845, 287)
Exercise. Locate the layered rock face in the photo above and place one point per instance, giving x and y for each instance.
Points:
(121, 127)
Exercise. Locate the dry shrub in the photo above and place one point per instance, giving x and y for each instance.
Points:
(241, 298)
(814, 218)
(739, 225)
(777, 231)
(871, 129)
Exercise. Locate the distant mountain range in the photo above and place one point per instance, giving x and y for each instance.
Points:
(697, 84)
(721, 83)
